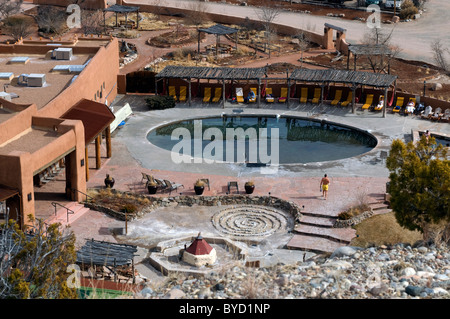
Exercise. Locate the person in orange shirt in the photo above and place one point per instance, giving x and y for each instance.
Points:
(324, 184)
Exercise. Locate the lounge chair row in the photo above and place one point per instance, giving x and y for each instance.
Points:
(163, 184)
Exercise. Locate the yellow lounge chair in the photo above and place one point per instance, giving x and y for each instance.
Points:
(253, 99)
(348, 100)
(217, 95)
(304, 95)
(239, 95)
(369, 100)
(316, 97)
(269, 96)
(207, 95)
(399, 104)
(172, 92)
(182, 94)
(337, 97)
(283, 95)
(379, 107)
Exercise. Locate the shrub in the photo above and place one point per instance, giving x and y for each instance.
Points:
(408, 10)
(129, 208)
(160, 102)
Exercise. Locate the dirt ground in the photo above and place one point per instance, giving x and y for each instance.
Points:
(318, 10)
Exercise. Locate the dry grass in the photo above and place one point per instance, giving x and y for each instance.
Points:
(383, 230)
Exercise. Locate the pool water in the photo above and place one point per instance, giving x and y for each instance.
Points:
(293, 140)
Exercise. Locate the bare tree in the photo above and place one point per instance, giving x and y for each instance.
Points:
(304, 42)
(267, 14)
(440, 54)
(92, 21)
(197, 14)
(17, 27)
(9, 7)
(51, 20)
(382, 38)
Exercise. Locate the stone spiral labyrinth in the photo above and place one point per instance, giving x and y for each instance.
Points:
(249, 221)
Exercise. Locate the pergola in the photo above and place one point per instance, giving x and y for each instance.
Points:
(354, 78)
(122, 10)
(218, 30)
(368, 50)
(322, 77)
(110, 255)
(212, 73)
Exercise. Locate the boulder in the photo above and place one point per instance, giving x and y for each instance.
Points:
(436, 86)
(344, 251)
(395, 19)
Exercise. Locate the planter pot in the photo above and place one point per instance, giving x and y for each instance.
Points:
(109, 182)
(249, 189)
(152, 189)
(199, 190)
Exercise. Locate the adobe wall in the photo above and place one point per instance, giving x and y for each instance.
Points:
(100, 75)
(88, 4)
(16, 124)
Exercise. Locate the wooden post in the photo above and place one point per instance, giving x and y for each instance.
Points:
(190, 92)
(98, 162)
(385, 101)
(321, 93)
(353, 99)
(86, 161)
(137, 19)
(259, 93)
(108, 142)
(288, 97)
(223, 94)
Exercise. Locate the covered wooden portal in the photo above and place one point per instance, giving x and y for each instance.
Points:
(370, 50)
(96, 118)
(105, 254)
(122, 10)
(352, 78)
(10, 206)
(221, 74)
(218, 30)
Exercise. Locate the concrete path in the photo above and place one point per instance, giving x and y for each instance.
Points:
(414, 38)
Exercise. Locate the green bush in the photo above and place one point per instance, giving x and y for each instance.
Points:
(160, 102)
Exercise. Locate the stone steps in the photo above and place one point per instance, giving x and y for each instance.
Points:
(317, 221)
(63, 218)
(341, 235)
(313, 244)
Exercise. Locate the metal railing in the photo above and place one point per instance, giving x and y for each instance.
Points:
(69, 211)
(74, 190)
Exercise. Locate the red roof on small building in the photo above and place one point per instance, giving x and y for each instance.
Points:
(199, 247)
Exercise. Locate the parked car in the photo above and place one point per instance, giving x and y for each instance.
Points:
(391, 3)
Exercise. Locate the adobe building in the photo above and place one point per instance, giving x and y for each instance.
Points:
(199, 253)
(52, 122)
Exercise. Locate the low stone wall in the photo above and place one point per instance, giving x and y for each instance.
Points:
(157, 202)
(341, 223)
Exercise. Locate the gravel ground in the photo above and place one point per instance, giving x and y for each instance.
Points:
(397, 272)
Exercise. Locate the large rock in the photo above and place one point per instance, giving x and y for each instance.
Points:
(436, 86)
(344, 251)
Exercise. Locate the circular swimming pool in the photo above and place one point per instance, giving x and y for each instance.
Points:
(261, 139)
